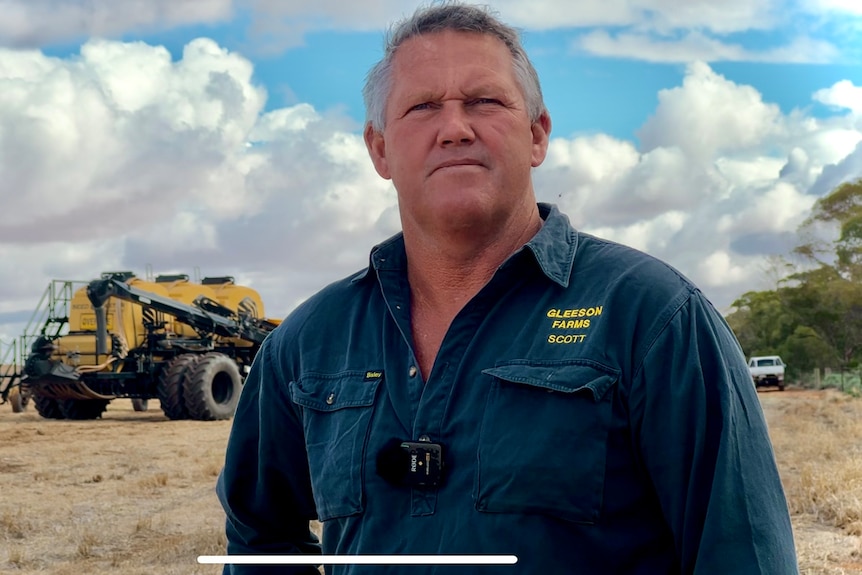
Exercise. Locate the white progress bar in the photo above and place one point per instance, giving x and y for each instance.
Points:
(359, 559)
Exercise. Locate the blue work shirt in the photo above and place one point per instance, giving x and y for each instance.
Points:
(596, 415)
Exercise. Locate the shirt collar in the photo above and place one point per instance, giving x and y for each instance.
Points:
(553, 248)
(554, 245)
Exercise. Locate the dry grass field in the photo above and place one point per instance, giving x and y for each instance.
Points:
(132, 493)
(817, 437)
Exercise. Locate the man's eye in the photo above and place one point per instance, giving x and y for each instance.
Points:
(486, 101)
(422, 106)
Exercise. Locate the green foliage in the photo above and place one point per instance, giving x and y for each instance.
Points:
(761, 322)
(807, 350)
(841, 210)
(814, 316)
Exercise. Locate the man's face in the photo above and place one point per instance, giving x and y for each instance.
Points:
(458, 143)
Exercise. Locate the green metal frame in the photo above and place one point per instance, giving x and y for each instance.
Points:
(50, 319)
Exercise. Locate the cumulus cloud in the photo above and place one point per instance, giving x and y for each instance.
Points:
(121, 129)
(33, 23)
(651, 30)
(843, 94)
(833, 175)
(709, 114)
(122, 158)
(720, 184)
(277, 25)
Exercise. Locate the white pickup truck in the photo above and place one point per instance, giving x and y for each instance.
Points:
(767, 370)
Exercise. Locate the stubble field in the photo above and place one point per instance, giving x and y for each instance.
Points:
(132, 493)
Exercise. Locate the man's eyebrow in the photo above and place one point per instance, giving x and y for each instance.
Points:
(471, 91)
(487, 88)
(422, 96)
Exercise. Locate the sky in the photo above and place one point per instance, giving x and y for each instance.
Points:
(223, 137)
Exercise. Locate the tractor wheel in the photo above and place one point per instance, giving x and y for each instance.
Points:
(139, 404)
(83, 408)
(18, 399)
(172, 383)
(213, 387)
(48, 407)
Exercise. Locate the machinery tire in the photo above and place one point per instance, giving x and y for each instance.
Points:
(48, 407)
(83, 408)
(213, 388)
(18, 400)
(139, 404)
(172, 383)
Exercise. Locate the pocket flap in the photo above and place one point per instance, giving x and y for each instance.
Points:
(568, 377)
(331, 392)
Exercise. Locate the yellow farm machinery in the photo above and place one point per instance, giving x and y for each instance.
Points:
(187, 344)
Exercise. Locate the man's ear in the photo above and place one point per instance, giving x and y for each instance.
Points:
(376, 146)
(541, 129)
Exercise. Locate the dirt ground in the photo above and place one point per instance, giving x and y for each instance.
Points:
(132, 493)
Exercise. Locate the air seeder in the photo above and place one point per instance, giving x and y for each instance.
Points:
(185, 343)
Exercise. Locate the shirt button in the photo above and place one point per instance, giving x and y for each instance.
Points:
(330, 399)
(412, 371)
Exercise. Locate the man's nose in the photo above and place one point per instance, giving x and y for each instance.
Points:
(455, 125)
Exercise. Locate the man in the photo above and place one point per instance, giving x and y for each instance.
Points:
(496, 382)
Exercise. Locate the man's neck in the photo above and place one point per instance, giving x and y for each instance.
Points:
(444, 275)
(447, 271)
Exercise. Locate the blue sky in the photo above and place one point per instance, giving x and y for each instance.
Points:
(585, 93)
(698, 132)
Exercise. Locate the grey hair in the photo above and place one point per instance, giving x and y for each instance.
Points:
(448, 15)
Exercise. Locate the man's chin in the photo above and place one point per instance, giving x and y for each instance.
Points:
(465, 214)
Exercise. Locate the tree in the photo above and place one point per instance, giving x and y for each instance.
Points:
(807, 350)
(761, 322)
(814, 316)
(828, 297)
(841, 213)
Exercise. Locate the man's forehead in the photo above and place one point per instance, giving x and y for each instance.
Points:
(419, 56)
(430, 43)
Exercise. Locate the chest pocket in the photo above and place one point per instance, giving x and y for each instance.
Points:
(336, 419)
(543, 441)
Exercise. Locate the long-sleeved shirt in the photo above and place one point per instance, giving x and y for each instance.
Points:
(595, 411)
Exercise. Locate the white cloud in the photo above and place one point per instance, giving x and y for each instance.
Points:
(121, 158)
(39, 22)
(652, 30)
(852, 7)
(659, 15)
(186, 170)
(722, 182)
(122, 129)
(758, 170)
(695, 45)
(710, 114)
(777, 208)
(720, 269)
(650, 236)
(843, 94)
(730, 16)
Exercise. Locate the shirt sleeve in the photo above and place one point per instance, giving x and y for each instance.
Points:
(702, 437)
(264, 486)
